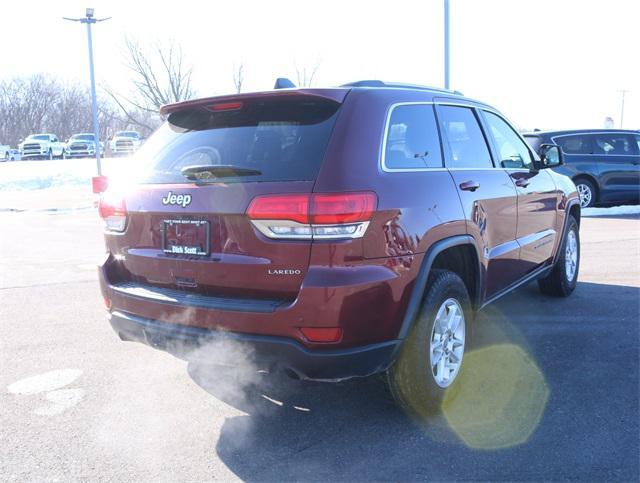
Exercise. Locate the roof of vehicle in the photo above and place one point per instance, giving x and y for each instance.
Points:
(579, 131)
(333, 93)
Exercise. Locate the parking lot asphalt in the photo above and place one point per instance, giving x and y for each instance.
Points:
(554, 392)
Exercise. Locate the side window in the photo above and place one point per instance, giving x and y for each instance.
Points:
(513, 152)
(619, 144)
(579, 144)
(462, 133)
(638, 143)
(412, 138)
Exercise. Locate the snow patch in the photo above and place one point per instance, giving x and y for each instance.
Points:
(49, 381)
(612, 211)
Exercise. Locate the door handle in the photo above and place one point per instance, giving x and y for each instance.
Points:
(522, 182)
(469, 185)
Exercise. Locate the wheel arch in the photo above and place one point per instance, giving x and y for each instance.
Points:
(572, 210)
(438, 252)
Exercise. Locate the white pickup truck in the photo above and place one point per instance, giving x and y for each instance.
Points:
(42, 146)
(125, 142)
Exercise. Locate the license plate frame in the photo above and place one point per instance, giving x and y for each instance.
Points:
(173, 227)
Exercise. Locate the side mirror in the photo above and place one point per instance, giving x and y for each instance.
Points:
(551, 156)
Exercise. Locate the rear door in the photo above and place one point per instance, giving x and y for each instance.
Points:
(191, 232)
(618, 164)
(538, 196)
(487, 193)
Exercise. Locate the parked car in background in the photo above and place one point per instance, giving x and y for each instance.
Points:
(82, 145)
(4, 152)
(125, 142)
(14, 155)
(603, 163)
(338, 232)
(41, 146)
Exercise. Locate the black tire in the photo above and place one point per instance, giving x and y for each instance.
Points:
(559, 283)
(586, 188)
(411, 379)
(50, 155)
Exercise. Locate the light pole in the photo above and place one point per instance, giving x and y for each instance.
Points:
(90, 19)
(446, 44)
(623, 92)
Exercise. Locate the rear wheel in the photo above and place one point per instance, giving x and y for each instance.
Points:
(563, 278)
(587, 192)
(432, 356)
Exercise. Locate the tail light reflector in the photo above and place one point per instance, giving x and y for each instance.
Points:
(322, 334)
(313, 215)
(113, 211)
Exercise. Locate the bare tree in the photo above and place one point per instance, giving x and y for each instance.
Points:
(40, 103)
(305, 75)
(160, 76)
(238, 78)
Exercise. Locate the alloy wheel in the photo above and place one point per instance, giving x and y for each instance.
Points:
(447, 342)
(586, 195)
(571, 255)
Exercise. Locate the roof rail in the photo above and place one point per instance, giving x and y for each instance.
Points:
(398, 85)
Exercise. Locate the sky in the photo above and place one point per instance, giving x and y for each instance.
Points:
(548, 64)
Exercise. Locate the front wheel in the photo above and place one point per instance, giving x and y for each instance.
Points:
(50, 155)
(562, 280)
(432, 356)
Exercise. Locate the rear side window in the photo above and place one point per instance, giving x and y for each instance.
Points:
(412, 140)
(271, 140)
(579, 144)
(619, 144)
(467, 145)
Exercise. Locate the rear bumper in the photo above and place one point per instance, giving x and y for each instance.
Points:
(187, 341)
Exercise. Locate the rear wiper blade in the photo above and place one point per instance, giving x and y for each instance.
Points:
(207, 171)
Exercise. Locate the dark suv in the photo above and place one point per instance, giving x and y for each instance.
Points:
(336, 232)
(603, 163)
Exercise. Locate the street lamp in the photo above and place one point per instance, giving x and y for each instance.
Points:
(89, 19)
(446, 44)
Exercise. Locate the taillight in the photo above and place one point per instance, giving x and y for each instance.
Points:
(113, 211)
(313, 216)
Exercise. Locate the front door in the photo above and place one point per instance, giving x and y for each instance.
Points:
(538, 196)
(488, 195)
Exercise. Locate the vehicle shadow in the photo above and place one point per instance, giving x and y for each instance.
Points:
(352, 430)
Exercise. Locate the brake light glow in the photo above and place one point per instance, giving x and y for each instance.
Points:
(313, 216)
(226, 106)
(113, 211)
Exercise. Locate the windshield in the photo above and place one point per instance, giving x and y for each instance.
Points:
(39, 137)
(282, 140)
(127, 134)
(82, 137)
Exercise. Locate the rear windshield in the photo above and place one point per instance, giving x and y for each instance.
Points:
(278, 140)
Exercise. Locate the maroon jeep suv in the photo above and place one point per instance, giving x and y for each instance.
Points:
(336, 232)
